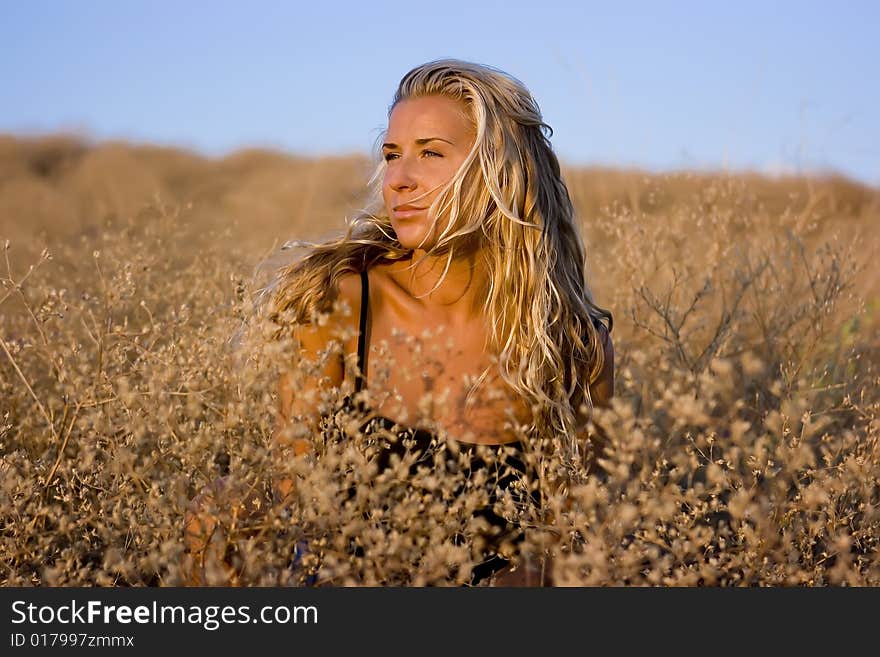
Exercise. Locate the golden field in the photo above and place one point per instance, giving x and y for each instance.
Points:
(741, 449)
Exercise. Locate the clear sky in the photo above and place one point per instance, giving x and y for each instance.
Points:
(771, 86)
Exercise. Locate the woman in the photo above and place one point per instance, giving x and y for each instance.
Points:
(471, 236)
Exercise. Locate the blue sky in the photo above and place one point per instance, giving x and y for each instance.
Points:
(769, 86)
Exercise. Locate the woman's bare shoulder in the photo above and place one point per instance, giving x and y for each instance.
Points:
(602, 388)
(339, 322)
(604, 335)
(349, 294)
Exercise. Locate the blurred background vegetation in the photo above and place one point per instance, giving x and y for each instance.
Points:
(746, 331)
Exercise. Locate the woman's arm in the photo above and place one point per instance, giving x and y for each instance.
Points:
(298, 403)
(298, 399)
(602, 389)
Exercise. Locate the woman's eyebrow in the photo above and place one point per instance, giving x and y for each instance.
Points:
(420, 142)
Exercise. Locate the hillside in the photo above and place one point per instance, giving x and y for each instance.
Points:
(742, 446)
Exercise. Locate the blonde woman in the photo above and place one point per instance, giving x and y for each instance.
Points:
(470, 250)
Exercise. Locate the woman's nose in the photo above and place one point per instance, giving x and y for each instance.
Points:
(400, 175)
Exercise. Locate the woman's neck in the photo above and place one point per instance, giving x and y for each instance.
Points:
(459, 296)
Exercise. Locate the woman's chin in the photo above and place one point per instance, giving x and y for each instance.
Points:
(412, 237)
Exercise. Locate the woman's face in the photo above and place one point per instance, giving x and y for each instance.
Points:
(428, 138)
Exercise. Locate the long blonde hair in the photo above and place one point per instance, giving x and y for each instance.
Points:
(509, 195)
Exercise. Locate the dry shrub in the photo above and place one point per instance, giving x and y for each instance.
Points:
(741, 448)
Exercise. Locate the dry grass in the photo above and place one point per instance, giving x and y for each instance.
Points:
(742, 447)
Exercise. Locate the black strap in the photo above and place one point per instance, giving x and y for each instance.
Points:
(362, 333)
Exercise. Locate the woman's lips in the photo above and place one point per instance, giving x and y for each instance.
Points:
(404, 211)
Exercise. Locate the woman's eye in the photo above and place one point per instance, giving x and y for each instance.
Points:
(393, 156)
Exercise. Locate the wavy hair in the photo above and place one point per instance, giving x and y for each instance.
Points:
(509, 196)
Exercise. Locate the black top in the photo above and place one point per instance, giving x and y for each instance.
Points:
(502, 462)
(362, 333)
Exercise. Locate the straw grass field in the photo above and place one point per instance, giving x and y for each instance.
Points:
(741, 449)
